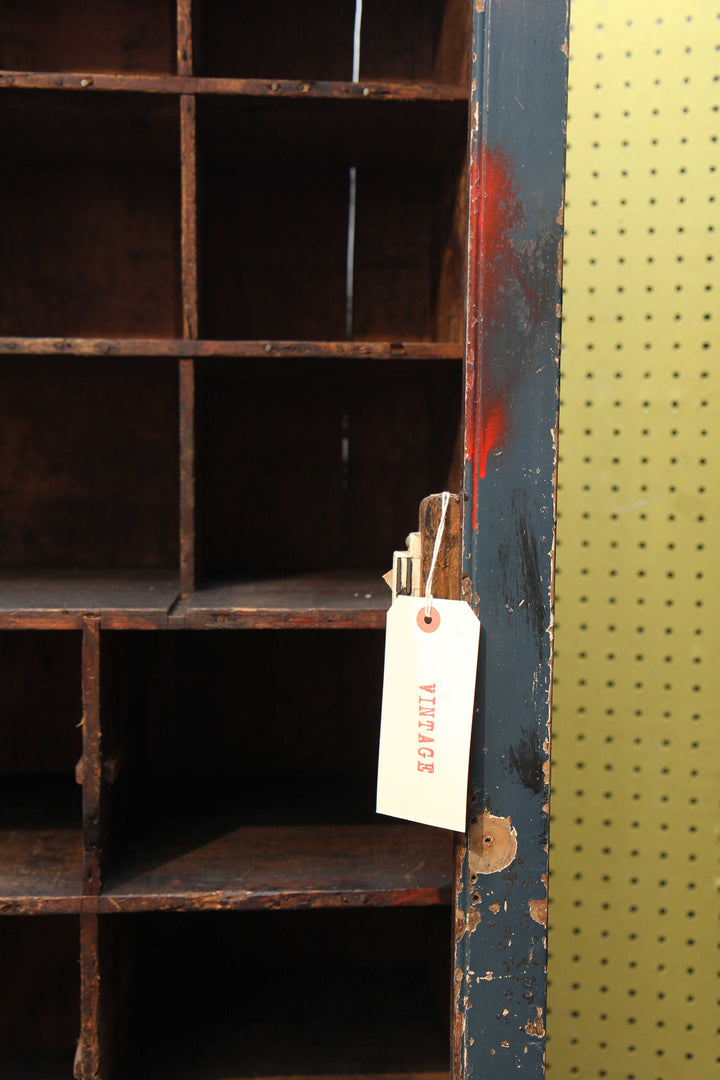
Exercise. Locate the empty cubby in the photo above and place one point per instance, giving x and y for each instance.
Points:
(421, 41)
(40, 747)
(91, 236)
(123, 36)
(321, 465)
(359, 992)
(291, 248)
(88, 463)
(39, 997)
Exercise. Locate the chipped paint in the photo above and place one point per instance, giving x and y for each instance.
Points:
(495, 908)
(492, 843)
(535, 1027)
(539, 910)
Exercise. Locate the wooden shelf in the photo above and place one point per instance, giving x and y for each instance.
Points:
(133, 599)
(145, 599)
(92, 81)
(40, 845)
(272, 350)
(189, 866)
(335, 599)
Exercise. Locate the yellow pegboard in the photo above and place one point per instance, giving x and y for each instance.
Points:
(634, 934)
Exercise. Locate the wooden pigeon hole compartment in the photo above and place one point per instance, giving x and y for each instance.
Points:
(231, 367)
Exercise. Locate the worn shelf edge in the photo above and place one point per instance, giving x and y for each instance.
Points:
(261, 867)
(167, 347)
(150, 600)
(366, 89)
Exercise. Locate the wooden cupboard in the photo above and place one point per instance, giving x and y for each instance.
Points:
(235, 310)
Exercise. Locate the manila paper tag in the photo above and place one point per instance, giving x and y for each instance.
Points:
(427, 711)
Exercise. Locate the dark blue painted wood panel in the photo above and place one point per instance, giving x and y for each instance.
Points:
(515, 255)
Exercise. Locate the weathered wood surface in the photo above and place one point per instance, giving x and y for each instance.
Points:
(516, 200)
(218, 864)
(187, 478)
(339, 599)
(273, 350)
(189, 215)
(41, 849)
(58, 599)
(92, 778)
(90, 81)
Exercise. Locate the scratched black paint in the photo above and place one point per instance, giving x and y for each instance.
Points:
(526, 758)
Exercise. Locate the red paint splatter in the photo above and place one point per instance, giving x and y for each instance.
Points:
(495, 212)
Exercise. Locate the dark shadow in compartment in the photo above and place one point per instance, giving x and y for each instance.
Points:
(318, 466)
(88, 463)
(275, 40)
(312, 993)
(275, 198)
(124, 36)
(39, 997)
(416, 40)
(91, 227)
(40, 746)
(215, 730)
(243, 766)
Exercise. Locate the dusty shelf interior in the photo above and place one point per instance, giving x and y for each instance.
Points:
(121, 36)
(40, 746)
(423, 41)
(92, 215)
(274, 178)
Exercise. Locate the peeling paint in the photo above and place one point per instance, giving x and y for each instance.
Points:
(535, 1027)
(492, 843)
(495, 908)
(538, 910)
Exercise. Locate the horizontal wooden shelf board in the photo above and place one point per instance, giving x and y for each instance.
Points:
(284, 866)
(148, 599)
(41, 862)
(150, 347)
(376, 90)
(335, 598)
(61, 597)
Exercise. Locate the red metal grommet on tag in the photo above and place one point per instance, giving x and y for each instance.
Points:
(428, 625)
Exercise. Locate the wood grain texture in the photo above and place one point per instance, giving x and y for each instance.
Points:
(184, 37)
(446, 574)
(92, 779)
(187, 478)
(38, 598)
(89, 1050)
(331, 599)
(41, 849)
(371, 90)
(188, 215)
(273, 350)
(218, 864)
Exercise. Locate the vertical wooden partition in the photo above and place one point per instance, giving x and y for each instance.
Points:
(204, 477)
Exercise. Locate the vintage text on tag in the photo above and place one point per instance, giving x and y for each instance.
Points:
(427, 710)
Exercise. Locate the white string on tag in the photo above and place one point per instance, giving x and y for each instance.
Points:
(436, 549)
